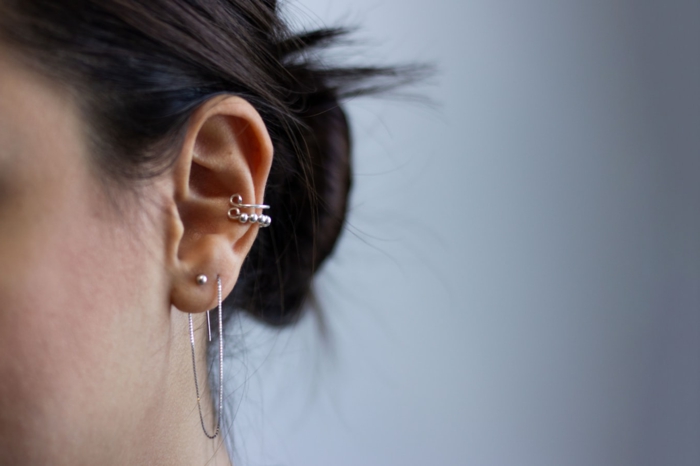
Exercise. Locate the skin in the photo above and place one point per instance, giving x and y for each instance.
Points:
(95, 362)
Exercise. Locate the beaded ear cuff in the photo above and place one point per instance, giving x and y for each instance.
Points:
(234, 213)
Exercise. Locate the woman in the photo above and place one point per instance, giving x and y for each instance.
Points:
(140, 145)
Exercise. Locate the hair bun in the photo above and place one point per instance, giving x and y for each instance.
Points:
(310, 177)
(329, 149)
(308, 192)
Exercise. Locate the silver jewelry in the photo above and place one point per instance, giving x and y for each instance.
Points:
(221, 366)
(234, 213)
(202, 280)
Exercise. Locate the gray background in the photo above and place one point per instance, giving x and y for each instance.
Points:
(518, 282)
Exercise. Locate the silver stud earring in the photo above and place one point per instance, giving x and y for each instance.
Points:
(234, 213)
(202, 280)
(221, 365)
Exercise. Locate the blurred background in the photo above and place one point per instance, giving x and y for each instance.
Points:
(518, 283)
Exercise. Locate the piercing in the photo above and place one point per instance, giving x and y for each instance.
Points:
(237, 201)
(221, 367)
(234, 213)
(201, 279)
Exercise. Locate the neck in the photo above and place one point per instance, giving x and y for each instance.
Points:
(176, 434)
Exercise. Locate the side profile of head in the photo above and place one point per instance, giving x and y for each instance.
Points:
(125, 128)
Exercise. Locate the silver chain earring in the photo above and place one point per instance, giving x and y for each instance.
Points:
(203, 281)
(234, 213)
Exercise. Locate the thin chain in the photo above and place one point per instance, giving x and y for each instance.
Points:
(221, 368)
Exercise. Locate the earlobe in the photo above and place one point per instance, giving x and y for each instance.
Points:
(226, 151)
(210, 256)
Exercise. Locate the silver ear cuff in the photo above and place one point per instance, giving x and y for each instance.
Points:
(234, 213)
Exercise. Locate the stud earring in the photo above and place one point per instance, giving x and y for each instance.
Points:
(234, 213)
(202, 280)
(221, 365)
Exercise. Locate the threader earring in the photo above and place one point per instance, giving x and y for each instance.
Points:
(201, 280)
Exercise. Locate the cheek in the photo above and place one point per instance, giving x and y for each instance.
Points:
(80, 285)
(73, 307)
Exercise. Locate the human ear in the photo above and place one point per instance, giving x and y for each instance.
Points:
(226, 150)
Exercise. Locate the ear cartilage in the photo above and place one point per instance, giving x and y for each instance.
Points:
(234, 213)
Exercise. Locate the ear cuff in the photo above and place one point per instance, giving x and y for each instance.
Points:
(234, 213)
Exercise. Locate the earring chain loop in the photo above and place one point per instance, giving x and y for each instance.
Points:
(221, 368)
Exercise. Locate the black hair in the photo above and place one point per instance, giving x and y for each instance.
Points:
(141, 68)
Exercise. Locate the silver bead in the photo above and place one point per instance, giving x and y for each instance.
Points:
(236, 200)
(243, 218)
(253, 218)
(202, 279)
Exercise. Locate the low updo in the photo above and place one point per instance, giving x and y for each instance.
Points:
(140, 68)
